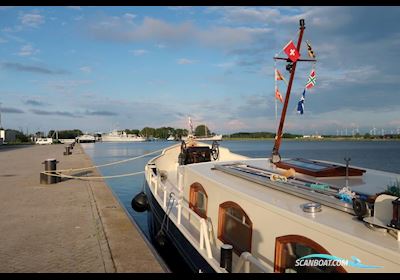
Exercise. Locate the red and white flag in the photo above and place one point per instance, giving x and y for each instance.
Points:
(312, 79)
(278, 95)
(291, 51)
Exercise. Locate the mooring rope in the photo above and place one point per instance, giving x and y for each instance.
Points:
(91, 178)
(108, 164)
(58, 173)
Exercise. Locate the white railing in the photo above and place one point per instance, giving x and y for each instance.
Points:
(246, 259)
(155, 180)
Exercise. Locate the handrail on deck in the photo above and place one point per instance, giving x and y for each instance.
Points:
(246, 259)
(204, 237)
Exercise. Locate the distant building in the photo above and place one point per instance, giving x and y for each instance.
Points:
(316, 136)
(11, 135)
(2, 136)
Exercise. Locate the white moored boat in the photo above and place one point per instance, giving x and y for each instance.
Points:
(225, 212)
(205, 137)
(85, 138)
(217, 137)
(250, 204)
(121, 136)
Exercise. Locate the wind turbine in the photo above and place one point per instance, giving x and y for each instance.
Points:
(373, 130)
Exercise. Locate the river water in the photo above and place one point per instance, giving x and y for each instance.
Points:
(380, 155)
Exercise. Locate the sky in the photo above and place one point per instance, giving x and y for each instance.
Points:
(104, 68)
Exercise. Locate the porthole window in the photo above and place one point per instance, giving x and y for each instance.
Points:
(234, 227)
(198, 199)
(289, 248)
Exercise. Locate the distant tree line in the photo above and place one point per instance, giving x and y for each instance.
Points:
(162, 132)
(65, 134)
(200, 130)
(260, 135)
(365, 136)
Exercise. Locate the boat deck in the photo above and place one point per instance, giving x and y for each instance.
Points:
(336, 223)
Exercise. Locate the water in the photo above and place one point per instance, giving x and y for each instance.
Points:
(380, 155)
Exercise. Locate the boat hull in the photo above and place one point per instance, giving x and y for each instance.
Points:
(122, 139)
(174, 238)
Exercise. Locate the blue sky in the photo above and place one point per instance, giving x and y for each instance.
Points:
(101, 68)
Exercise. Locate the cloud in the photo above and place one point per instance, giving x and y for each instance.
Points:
(129, 17)
(74, 7)
(34, 69)
(101, 113)
(240, 15)
(53, 113)
(152, 29)
(34, 102)
(254, 105)
(31, 19)
(28, 50)
(160, 46)
(11, 110)
(86, 69)
(66, 87)
(225, 64)
(139, 52)
(185, 61)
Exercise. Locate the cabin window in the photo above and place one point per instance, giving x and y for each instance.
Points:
(234, 227)
(198, 200)
(289, 248)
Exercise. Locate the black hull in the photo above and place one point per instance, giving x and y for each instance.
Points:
(175, 240)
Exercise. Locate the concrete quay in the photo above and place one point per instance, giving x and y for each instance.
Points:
(70, 226)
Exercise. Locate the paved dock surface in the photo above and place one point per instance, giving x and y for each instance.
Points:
(71, 226)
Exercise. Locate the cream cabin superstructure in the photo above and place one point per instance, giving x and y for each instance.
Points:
(274, 217)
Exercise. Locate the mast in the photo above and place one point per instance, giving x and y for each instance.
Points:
(278, 138)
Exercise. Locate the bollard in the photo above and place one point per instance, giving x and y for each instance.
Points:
(67, 151)
(49, 165)
(226, 257)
